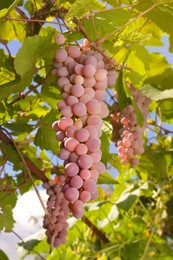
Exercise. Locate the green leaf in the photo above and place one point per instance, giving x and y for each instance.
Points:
(112, 215)
(126, 201)
(156, 94)
(106, 178)
(5, 12)
(3, 256)
(123, 101)
(8, 199)
(131, 251)
(6, 219)
(105, 23)
(15, 86)
(140, 118)
(45, 139)
(33, 48)
(79, 8)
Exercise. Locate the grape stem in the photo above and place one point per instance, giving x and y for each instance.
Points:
(95, 230)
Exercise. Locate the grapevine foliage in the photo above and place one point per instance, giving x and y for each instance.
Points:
(86, 111)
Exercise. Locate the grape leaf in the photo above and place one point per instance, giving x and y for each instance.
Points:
(156, 94)
(33, 48)
(6, 219)
(3, 256)
(79, 8)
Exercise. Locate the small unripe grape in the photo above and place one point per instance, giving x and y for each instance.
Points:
(59, 38)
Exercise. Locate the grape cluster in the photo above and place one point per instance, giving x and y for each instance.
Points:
(55, 222)
(83, 76)
(127, 134)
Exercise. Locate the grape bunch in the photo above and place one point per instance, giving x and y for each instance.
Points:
(55, 221)
(83, 76)
(127, 134)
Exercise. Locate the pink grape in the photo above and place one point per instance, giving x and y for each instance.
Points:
(79, 109)
(71, 100)
(96, 156)
(64, 122)
(99, 95)
(78, 79)
(92, 131)
(85, 196)
(84, 98)
(100, 167)
(70, 144)
(55, 126)
(85, 161)
(101, 74)
(76, 182)
(81, 149)
(62, 82)
(71, 194)
(94, 120)
(89, 185)
(93, 107)
(79, 69)
(67, 88)
(60, 135)
(71, 169)
(93, 144)
(77, 209)
(89, 70)
(82, 135)
(66, 111)
(61, 104)
(104, 112)
(74, 157)
(89, 82)
(94, 174)
(70, 132)
(85, 174)
(74, 52)
(62, 72)
(77, 90)
(90, 92)
(91, 60)
(61, 55)
(59, 38)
